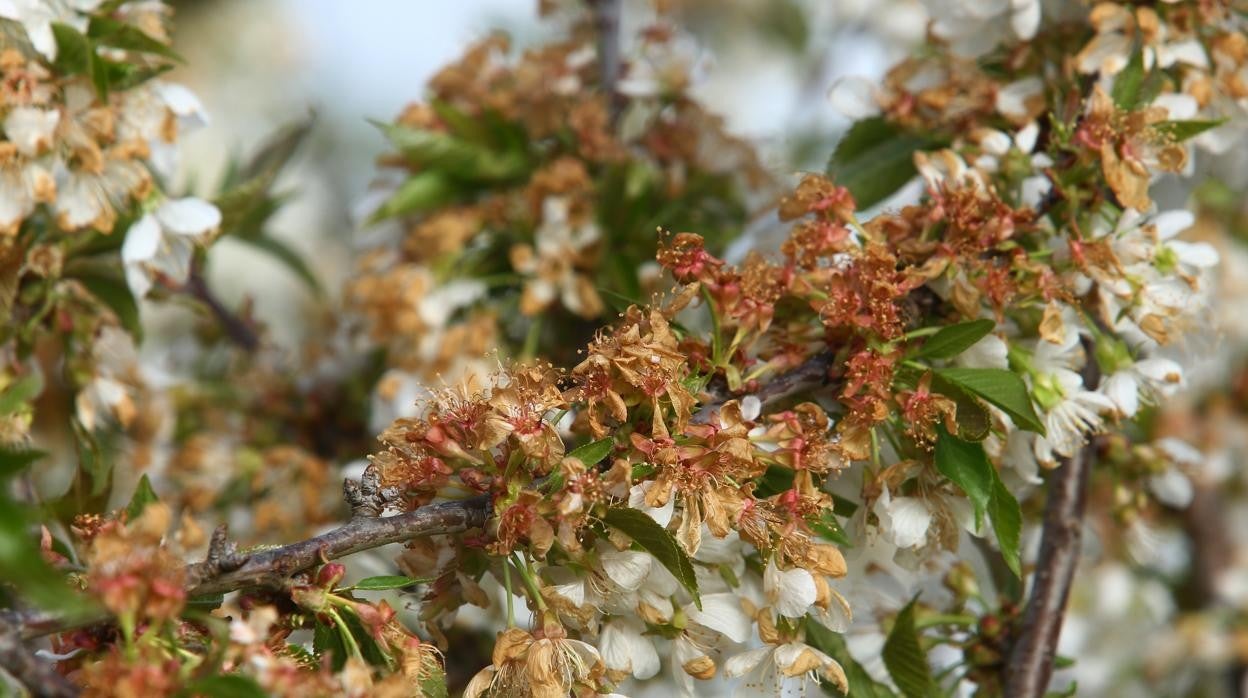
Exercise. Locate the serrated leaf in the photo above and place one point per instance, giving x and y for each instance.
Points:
(143, 495)
(999, 387)
(110, 32)
(593, 452)
(14, 460)
(1007, 522)
(225, 686)
(1179, 131)
(655, 540)
(950, 341)
(421, 192)
(20, 392)
(861, 685)
(904, 656)
(966, 465)
(875, 158)
(284, 254)
(433, 683)
(384, 582)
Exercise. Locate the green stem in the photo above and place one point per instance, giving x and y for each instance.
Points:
(530, 583)
(511, 613)
(347, 638)
(532, 338)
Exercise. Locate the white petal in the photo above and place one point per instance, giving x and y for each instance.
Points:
(637, 500)
(1124, 391)
(1201, 255)
(722, 613)
(624, 648)
(790, 592)
(854, 97)
(30, 129)
(189, 216)
(742, 664)
(1172, 488)
(142, 240)
(1171, 223)
(626, 568)
(181, 101)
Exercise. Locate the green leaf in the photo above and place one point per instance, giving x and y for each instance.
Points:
(422, 192)
(225, 686)
(861, 685)
(875, 158)
(904, 656)
(775, 480)
(74, 53)
(829, 528)
(20, 392)
(113, 292)
(659, 543)
(966, 465)
(433, 683)
(384, 582)
(110, 32)
(23, 566)
(1001, 388)
(950, 341)
(1127, 83)
(456, 157)
(143, 495)
(14, 460)
(1007, 522)
(284, 254)
(326, 640)
(593, 452)
(1179, 131)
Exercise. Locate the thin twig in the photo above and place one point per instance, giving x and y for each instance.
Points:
(273, 568)
(235, 327)
(1030, 664)
(811, 373)
(38, 676)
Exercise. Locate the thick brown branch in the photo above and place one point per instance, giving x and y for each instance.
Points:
(38, 676)
(1030, 664)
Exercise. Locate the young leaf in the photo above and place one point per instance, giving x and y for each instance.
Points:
(14, 460)
(74, 52)
(904, 657)
(659, 543)
(593, 452)
(110, 32)
(1001, 388)
(143, 495)
(829, 528)
(1007, 522)
(115, 294)
(1179, 131)
(861, 685)
(875, 158)
(967, 466)
(20, 392)
(449, 154)
(224, 686)
(955, 339)
(433, 684)
(421, 192)
(384, 582)
(1127, 82)
(284, 254)
(326, 640)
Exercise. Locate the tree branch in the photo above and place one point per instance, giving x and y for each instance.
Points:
(235, 327)
(1030, 664)
(607, 24)
(811, 373)
(226, 570)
